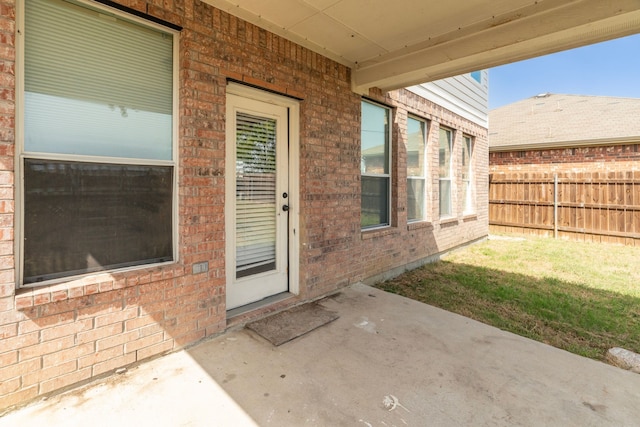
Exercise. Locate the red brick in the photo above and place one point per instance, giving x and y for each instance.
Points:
(64, 306)
(7, 303)
(24, 301)
(105, 286)
(19, 369)
(73, 353)
(46, 348)
(139, 322)
(114, 363)
(98, 333)
(65, 380)
(115, 340)
(143, 342)
(97, 310)
(189, 338)
(66, 329)
(21, 396)
(7, 289)
(143, 299)
(154, 350)
(20, 341)
(109, 297)
(117, 317)
(37, 324)
(91, 289)
(9, 358)
(9, 386)
(48, 373)
(100, 356)
(75, 292)
(59, 296)
(8, 331)
(150, 330)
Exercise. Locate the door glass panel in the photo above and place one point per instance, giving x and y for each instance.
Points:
(255, 194)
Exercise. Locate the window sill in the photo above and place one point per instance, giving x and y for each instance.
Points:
(90, 285)
(448, 222)
(470, 217)
(418, 225)
(378, 232)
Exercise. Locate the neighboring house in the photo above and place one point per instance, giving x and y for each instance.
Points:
(565, 133)
(566, 165)
(184, 171)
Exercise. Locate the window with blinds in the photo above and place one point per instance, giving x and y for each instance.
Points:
(445, 171)
(375, 166)
(97, 152)
(256, 207)
(467, 188)
(416, 169)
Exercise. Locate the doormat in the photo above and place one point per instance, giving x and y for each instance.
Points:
(293, 323)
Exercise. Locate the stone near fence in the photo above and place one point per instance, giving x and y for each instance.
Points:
(624, 359)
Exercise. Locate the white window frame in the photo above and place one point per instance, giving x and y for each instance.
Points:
(449, 177)
(21, 154)
(469, 205)
(425, 127)
(388, 175)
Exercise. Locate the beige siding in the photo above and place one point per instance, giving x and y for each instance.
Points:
(462, 95)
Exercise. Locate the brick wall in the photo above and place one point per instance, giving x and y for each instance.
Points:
(609, 158)
(57, 335)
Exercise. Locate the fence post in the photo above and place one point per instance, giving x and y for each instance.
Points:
(555, 205)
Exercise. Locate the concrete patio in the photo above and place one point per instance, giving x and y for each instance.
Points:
(387, 361)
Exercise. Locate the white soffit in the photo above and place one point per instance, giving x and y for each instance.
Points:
(398, 43)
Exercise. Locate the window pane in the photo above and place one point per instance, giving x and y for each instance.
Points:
(445, 153)
(445, 197)
(415, 147)
(467, 191)
(466, 196)
(375, 139)
(466, 158)
(85, 217)
(96, 84)
(415, 199)
(375, 201)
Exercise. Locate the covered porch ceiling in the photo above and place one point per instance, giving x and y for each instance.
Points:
(398, 43)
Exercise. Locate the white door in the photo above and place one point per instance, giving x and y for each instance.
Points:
(257, 200)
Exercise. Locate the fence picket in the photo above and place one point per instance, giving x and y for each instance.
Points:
(591, 206)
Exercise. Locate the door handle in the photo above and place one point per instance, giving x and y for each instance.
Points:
(285, 208)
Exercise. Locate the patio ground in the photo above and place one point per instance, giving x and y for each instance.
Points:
(387, 361)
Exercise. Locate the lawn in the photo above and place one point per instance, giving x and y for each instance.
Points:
(581, 297)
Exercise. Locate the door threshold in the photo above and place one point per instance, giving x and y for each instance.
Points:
(239, 311)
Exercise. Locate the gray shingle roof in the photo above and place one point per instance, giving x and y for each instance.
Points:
(551, 120)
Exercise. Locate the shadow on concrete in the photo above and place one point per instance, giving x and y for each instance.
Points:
(387, 360)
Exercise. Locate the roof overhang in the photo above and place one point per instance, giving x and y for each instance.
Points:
(394, 44)
(559, 145)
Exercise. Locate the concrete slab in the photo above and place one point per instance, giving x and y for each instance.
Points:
(387, 361)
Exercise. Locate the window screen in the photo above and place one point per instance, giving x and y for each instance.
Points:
(85, 217)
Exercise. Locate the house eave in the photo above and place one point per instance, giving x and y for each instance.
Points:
(628, 140)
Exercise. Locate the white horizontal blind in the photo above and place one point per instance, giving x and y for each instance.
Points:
(96, 84)
(416, 169)
(255, 194)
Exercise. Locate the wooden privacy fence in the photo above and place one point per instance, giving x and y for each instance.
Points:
(600, 206)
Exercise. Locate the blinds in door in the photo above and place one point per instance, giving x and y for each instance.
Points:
(255, 194)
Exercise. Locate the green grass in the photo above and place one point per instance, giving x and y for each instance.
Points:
(581, 297)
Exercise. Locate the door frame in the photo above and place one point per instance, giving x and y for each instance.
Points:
(293, 107)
